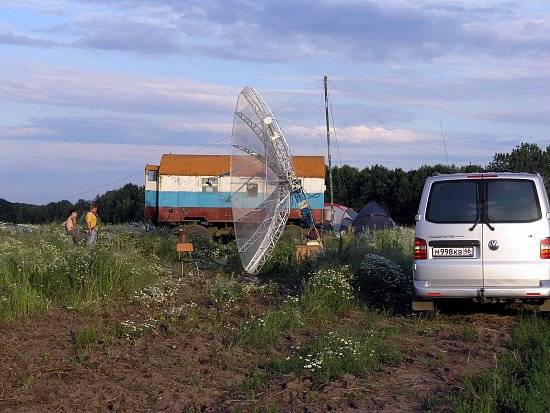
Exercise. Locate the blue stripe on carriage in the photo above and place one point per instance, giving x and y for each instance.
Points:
(150, 198)
(209, 199)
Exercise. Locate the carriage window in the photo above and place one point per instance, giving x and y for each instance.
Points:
(152, 176)
(209, 185)
(252, 190)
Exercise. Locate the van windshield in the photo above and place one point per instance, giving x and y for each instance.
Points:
(453, 201)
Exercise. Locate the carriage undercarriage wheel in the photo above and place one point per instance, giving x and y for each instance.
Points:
(185, 231)
(194, 229)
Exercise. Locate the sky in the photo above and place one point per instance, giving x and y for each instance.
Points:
(92, 91)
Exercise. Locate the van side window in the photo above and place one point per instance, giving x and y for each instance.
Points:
(512, 200)
(453, 201)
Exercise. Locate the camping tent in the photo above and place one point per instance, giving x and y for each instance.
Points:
(343, 217)
(372, 217)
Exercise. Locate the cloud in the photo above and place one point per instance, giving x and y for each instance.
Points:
(23, 131)
(133, 130)
(52, 155)
(121, 130)
(119, 92)
(52, 7)
(119, 33)
(177, 126)
(360, 134)
(360, 31)
(357, 30)
(25, 40)
(528, 117)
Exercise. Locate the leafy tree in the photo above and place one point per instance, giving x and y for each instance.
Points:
(122, 205)
(56, 211)
(28, 214)
(403, 200)
(527, 157)
(346, 181)
(7, 211)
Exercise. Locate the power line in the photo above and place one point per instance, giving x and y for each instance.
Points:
(360, 105)
(367, 111)
(314, 84)
(103, 186)
(141, 172)
(211, 144)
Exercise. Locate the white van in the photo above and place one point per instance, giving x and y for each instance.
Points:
(482, 236)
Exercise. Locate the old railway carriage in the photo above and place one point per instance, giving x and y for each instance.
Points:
(179, 189)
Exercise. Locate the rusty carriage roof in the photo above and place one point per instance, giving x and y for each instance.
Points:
(213, 165)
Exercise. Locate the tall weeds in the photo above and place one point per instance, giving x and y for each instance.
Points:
(45, 268)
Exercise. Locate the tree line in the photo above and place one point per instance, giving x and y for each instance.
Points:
(396, 190)
(121, 205)
(399, 191)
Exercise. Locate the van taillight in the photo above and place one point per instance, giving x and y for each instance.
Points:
(421, 249)
(545, 248)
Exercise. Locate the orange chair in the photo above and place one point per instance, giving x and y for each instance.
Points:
(187, 247)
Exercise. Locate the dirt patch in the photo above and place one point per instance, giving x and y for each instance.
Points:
(430, 373)
(187, 364)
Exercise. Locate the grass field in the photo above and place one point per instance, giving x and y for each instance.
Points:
(520, 379)
(45, 268)
(334, 331)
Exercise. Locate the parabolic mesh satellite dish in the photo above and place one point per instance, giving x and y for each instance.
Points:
(263, 180)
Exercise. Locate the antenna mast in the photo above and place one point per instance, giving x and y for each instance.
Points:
(329, 156)
(444, 144)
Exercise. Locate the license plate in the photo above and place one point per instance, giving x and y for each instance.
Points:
(453, 252)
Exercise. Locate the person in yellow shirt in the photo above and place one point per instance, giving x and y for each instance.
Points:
(91, 225)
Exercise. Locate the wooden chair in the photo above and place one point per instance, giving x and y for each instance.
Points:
(183, 249)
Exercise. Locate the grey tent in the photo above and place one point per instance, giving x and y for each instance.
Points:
(372, 217)
(343, 217)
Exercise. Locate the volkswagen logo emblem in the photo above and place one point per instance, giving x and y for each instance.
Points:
(493, 245)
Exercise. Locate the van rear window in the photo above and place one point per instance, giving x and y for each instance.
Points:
(504, 200)
(453, 201)
(512, 200)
